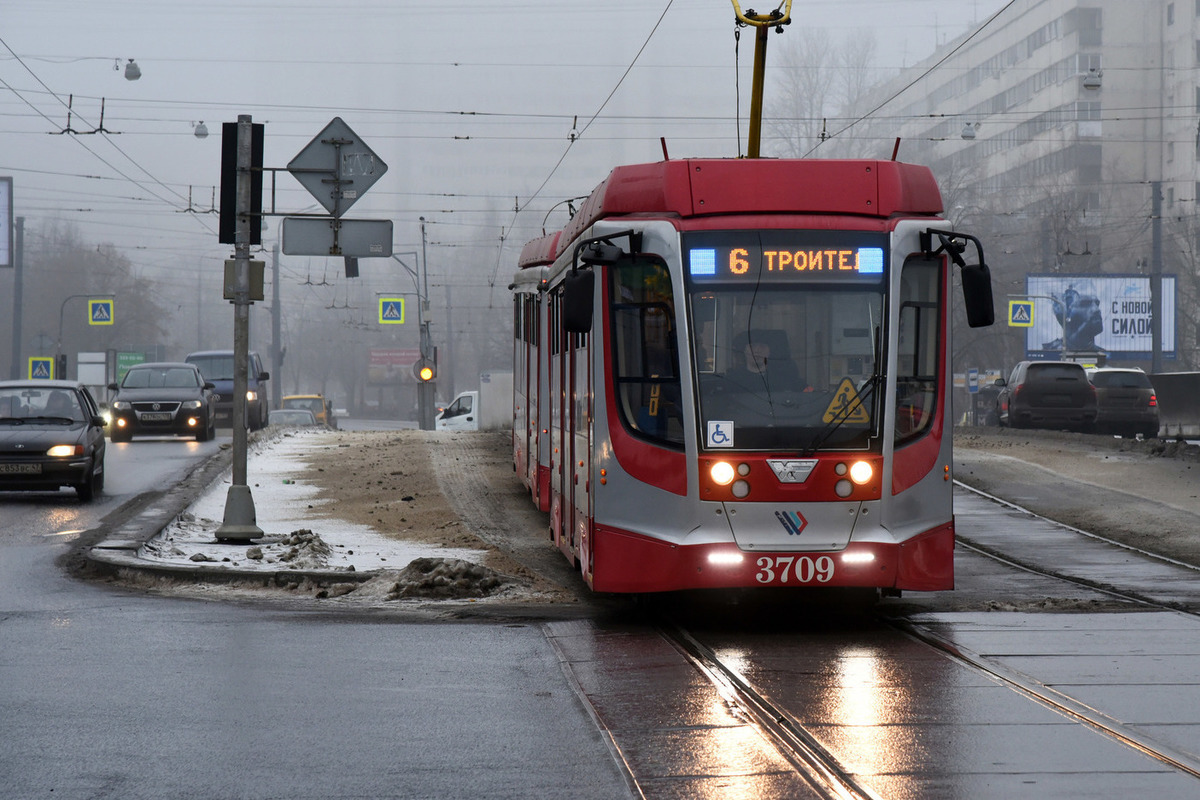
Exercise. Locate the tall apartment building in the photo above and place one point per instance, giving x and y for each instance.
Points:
(1050, 130)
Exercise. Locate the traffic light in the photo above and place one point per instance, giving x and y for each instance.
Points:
(425, 370)
(227, 219)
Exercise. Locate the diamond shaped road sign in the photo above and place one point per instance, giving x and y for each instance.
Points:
(336, 167)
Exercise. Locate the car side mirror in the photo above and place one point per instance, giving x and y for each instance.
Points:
(209, 385)
(264, 376)
(999, 382)
(98, 421)
(114, 387)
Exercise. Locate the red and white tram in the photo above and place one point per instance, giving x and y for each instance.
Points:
(736, 373)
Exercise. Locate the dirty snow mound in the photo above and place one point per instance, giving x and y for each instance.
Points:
(444, 578)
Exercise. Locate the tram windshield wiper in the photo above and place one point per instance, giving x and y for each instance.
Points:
(866, 392)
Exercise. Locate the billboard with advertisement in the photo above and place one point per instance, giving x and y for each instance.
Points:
(390, 366)
(1108, 314)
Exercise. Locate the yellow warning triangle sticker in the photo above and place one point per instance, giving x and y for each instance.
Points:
(846, 405)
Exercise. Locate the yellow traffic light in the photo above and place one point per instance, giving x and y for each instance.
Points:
(425, 370)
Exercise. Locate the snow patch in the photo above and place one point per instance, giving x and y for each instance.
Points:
(293, 538)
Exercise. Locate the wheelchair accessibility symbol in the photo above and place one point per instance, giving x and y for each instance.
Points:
(720, 433)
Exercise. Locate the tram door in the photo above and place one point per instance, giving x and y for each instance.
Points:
(581, 448)
(557, 405)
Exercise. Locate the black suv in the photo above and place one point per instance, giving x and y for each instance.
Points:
(163, 398)
(1047, 394)
(1125, 401)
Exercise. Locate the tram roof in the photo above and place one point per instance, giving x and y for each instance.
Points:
(707, 187)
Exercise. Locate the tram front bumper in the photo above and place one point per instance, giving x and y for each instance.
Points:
(626, 562)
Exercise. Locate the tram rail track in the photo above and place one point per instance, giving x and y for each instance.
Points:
(821, 769)
(829, 775)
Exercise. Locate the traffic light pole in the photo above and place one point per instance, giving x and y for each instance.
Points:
(240, 517)
(425, 389)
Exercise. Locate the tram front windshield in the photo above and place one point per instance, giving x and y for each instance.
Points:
(786, 336)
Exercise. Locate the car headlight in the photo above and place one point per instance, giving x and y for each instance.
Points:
(191, 405)
(65, 450)
(251, 396)
(121, 405)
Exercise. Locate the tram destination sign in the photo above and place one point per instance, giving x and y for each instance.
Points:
(785, 256)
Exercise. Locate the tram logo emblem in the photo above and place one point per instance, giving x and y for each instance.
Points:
(791, 521)
(792, 470)
(846, 405)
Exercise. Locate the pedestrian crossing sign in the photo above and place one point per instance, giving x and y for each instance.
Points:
(1020, 313)
(846, 405)
(100, 312)
(391, 311)
(41, 368)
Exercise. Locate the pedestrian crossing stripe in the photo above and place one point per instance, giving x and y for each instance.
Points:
(1020, 313)
(100, 312)
(41, 369)
(391, 311)
(846, 405)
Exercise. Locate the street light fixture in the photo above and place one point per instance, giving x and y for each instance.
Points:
(132, 71)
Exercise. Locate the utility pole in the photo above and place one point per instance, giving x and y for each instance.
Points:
(276, 351)
(18, 288)
(1156, 303)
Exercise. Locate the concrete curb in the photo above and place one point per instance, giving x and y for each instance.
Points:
(116, 556)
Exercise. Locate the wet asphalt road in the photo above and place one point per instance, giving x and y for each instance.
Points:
(118, 693)
(110, 692)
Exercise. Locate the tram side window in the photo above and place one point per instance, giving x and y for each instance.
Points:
(918, 365)
(646, 350)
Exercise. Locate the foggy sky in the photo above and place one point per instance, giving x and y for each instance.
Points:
(470, 104)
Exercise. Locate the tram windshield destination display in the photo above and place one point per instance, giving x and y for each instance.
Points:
(784, 329)
(785, 256)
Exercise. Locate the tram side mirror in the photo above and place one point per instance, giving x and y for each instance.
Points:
(977, 295)
(577, 303)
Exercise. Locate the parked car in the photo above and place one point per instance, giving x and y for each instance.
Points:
(1047, 394)
(217, 367)
(293, 416)
(163, 398)
(51, 435)
(1125, 402)
(321, 408)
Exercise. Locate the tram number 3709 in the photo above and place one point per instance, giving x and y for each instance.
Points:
(790, 569)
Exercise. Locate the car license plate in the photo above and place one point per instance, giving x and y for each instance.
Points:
(1057, 399)
(21, 469)
(156, 416)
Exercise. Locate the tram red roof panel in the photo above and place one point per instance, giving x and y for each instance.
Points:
(542, 250)
(704, 187)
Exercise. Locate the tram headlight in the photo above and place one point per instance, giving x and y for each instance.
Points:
(861, 472)
(722, 473)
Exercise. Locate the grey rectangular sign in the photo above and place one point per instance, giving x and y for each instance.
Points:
(355, 238)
